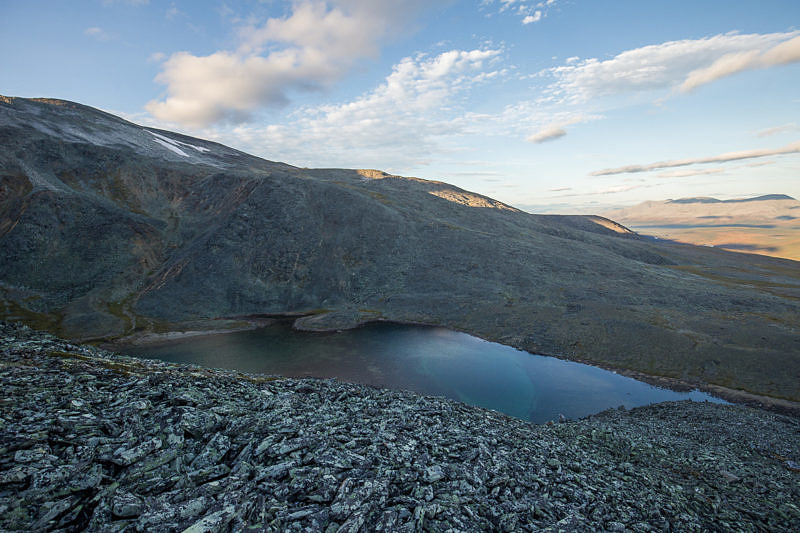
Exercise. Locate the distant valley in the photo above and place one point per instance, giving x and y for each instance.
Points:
(768, 225)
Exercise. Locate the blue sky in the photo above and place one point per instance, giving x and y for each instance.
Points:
(562, 105)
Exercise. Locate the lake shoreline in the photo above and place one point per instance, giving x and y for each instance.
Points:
(254, 322)
(163, 446)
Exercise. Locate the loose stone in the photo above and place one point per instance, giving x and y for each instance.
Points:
(102, 442)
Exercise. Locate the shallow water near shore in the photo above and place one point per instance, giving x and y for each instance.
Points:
(427, 360)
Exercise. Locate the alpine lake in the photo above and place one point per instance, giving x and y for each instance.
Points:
(427, 360)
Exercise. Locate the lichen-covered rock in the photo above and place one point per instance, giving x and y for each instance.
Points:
(91, 441)
(126, 505)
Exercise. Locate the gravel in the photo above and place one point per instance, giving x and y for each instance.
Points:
(94, 441)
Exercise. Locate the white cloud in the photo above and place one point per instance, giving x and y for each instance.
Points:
(172, 11)
(724, 66)
(759, 163)
(783, 54)
(691, 172)
(783, 128)
(310, 49)
(535, 17)
(556, 130)
(398, 124)
(529, 11)
(729, 64)
(97, 33)
(792, 148)
(548, 133)
(156, 57)
(667, 65)
(227, 87)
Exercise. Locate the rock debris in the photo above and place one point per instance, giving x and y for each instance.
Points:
(93, 441)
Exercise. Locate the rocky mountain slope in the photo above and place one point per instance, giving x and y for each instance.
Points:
(109, 229)
(768, 225)
(91, 441)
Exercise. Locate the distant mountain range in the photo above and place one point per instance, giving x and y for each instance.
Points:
(110, 229)
(768, 224)
(707, 200)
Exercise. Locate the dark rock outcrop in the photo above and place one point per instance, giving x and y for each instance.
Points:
(108, 229)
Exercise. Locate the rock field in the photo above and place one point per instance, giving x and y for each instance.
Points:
(94, 441)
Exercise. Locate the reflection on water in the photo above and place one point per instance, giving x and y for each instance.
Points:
(427, 360)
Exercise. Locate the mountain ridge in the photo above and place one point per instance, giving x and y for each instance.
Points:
(710, 200)
(110, 229)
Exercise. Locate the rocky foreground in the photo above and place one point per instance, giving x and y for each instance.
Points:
(94, 441)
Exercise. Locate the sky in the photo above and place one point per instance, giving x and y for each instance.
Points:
(571, 106)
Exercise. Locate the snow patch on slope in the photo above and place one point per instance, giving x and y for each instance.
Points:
(174, 145)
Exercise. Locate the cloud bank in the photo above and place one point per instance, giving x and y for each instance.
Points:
(729, 64)
(792, 148)
(684, 64)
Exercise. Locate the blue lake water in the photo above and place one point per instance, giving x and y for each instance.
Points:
(426, 360)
